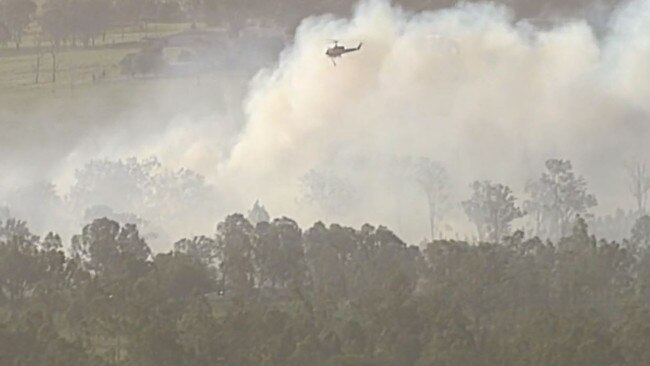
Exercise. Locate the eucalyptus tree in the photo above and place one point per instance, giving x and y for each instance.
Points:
(492, 208)
(557, 197)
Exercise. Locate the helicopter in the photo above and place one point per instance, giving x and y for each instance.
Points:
(338, 51)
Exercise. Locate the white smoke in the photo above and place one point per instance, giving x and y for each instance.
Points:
(496, 104)
(486, 95)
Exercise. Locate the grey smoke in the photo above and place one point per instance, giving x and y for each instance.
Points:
(471, 86)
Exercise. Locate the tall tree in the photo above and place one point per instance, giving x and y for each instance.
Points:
(17, 16)
(279, 255)
(109, 249)
(639, 184)
(236, 241)
(202, 248)
(492, 208)
(557, 197)
(90, 18)
(55, 21)
(19, 261)
(641, 232)
(327, 253)
(432, 177)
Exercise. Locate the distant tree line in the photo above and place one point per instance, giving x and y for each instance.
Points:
(554, 199)
(267, 292)
(84, 21)
(154, 196)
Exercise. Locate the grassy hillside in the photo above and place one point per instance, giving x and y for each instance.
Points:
(75, 65)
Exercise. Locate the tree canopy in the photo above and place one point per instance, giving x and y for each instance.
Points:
(274, 294)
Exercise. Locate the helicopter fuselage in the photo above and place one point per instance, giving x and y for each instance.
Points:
(338, 51)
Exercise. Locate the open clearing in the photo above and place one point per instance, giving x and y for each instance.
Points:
(75, 65)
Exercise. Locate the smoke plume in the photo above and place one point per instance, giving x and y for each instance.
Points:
(472, 87)
(488, 96)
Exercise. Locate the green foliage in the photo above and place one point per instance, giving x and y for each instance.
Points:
(236, 241)
(108, 249)
(491, 208)
(16, 16)
(641, 231)
(556, 197)
(326, 296)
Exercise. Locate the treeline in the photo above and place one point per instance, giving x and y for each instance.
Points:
(153, 196)
(551, 201)
(85, 21)
(78, 21)
(269, 293)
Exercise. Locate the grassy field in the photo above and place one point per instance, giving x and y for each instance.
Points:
(41, 124)
(75, 65)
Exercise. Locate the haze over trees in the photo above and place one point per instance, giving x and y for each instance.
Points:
(432, 178)
(274, 294)
(328, 192)
(16, 16)
(85, 21)
(259, 290)
(557, 197)
(639, 184)
(143, 188)
(263, 291)
(492, 208)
